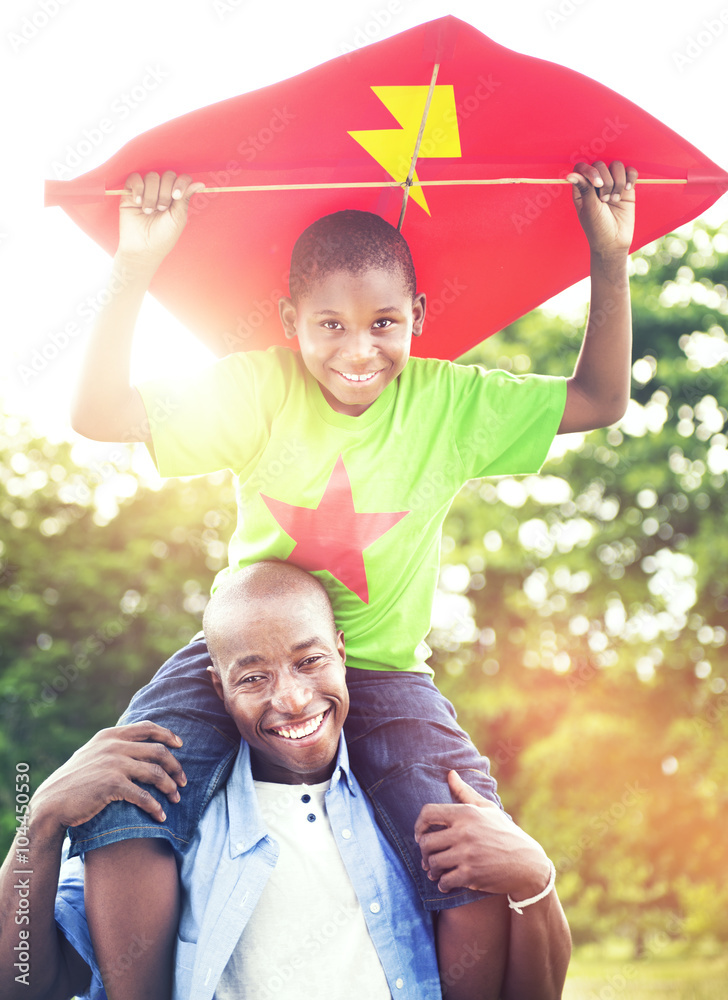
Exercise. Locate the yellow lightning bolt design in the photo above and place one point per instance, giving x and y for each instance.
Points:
(392, 148)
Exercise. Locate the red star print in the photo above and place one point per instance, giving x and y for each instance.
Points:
(333, 536)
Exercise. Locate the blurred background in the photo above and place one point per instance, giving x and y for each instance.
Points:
(580, 623)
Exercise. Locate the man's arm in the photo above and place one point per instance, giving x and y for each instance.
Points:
(102, 771)
(36, 961)
(152, 215)
(480, 848)
(598, 391)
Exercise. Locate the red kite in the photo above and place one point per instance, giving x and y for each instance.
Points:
(429, 129)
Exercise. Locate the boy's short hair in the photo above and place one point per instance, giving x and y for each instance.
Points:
(350, 241)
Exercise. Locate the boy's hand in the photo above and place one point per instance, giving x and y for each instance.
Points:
(604, 200)
(105, 770)
(479, 847)
(152, 214)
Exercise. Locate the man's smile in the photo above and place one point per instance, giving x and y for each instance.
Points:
(310, 727)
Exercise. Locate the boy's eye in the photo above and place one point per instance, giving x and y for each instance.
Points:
(382, 324)
(331, 324)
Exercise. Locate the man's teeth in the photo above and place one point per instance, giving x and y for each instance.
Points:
(359, 378)
(297, 734)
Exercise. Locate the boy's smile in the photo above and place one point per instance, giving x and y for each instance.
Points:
(354, 331)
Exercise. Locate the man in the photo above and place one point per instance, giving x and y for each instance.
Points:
(320, 908)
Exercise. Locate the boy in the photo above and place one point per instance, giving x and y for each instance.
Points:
(376, 446)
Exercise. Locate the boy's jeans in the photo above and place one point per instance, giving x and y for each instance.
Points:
(401, 734)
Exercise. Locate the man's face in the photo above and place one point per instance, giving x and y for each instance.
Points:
(283, 682)
(354, 332)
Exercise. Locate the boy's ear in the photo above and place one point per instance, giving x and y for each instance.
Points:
(418, 311)
(287, 312)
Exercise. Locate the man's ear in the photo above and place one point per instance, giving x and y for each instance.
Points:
(418, 312)
(340, 647)
(216, 683)
(287, 312)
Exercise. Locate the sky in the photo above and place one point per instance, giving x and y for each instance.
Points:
(66, 65)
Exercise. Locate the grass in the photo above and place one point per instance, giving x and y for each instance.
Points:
(679, 978)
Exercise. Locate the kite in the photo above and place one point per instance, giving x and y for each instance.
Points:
(461, 142)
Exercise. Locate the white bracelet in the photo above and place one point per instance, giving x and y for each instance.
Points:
(518, 905)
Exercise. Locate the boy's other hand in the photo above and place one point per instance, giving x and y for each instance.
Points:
(604, 198)
(106, 770)
(153, 213)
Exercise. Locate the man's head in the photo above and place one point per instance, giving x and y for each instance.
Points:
(353, 306)
(278, 666)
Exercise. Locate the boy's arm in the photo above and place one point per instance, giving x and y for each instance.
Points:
(598, 391)
(98, 773)
(480, 848)
(152, 215)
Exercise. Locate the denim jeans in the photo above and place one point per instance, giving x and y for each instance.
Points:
(402, 737)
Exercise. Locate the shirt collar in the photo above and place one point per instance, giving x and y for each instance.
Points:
(342, 768)
(247, 827)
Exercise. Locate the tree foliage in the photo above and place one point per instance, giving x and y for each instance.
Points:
(580, 626)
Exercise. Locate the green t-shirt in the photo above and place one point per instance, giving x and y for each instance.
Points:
(358, 501)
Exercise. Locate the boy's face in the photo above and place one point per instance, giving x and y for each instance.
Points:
(354, 332)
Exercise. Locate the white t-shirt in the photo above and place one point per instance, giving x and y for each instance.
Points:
(307, 937)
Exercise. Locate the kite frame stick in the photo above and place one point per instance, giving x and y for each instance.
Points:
(393, 184)
(416, 153)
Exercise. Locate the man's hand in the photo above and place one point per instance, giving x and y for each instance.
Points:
(604, 199)
(152, 215)
(104, 770)
(479, 847)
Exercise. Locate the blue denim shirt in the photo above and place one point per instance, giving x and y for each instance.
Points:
(227, 865)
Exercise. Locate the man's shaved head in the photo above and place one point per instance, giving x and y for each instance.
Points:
(268, 581)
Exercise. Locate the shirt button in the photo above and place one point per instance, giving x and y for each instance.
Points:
(399, 984)
(311, 817)
(305, 798)
(346, 834)
(375, 907)
(239, 847)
